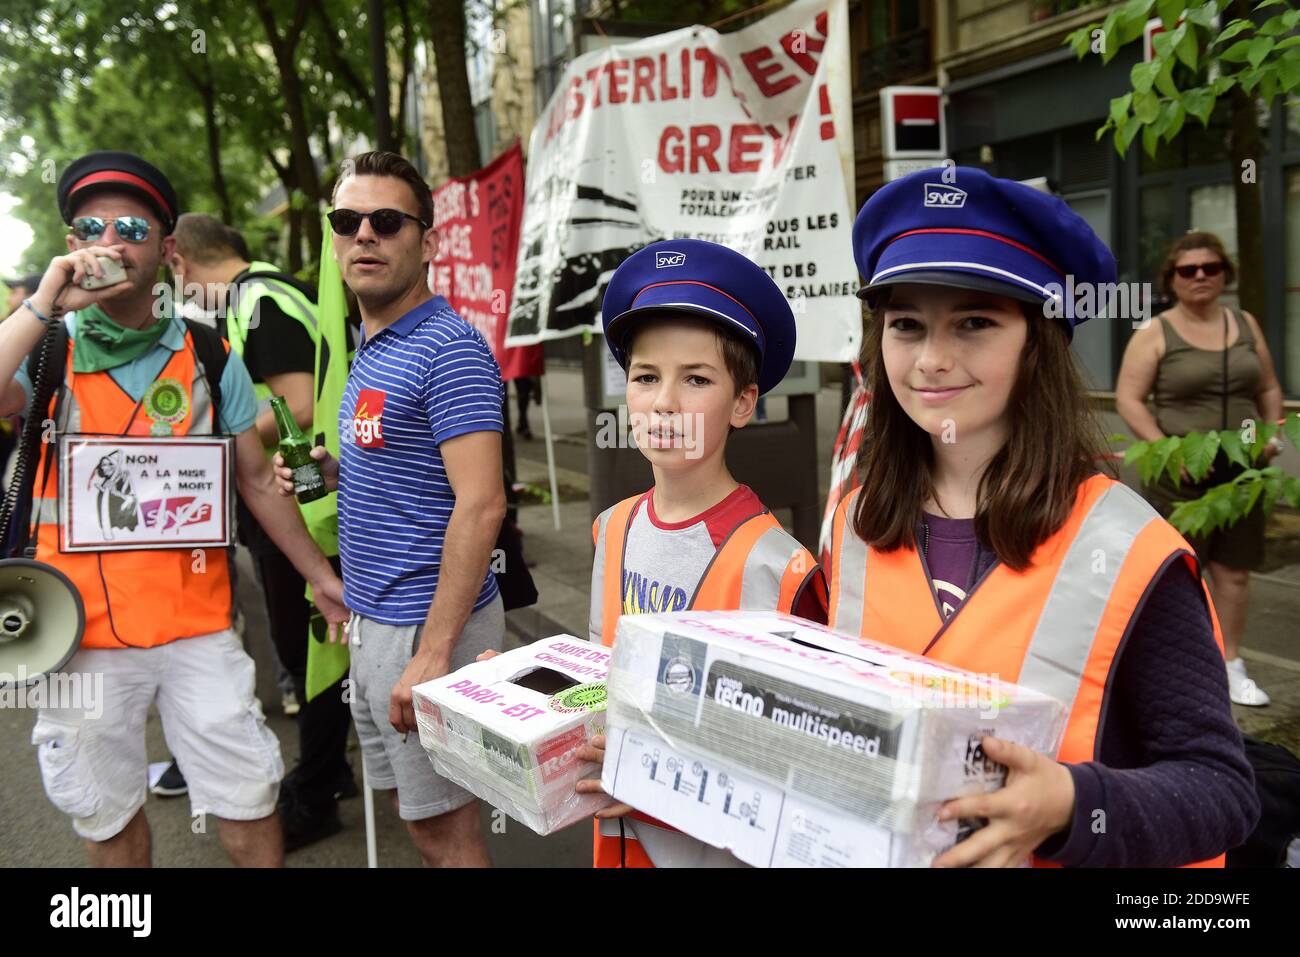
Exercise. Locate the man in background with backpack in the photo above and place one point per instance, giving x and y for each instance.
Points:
(158, 620)
(271, 322)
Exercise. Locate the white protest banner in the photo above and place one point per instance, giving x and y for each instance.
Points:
(126, 492)
(742, 139)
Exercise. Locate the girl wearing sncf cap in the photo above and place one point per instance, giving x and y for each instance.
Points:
(983, 536)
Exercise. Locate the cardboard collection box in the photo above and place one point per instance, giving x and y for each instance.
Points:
(792, 745)
(508, 729)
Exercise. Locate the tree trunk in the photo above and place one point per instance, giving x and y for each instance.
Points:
(379, 69)
(459, 131)
(304, 167)
(214, 155)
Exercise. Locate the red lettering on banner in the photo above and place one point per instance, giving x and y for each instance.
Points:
(666, 91)
(705, 141)
(670, 149)
(755, 61)
(643, 78)
(617, 77)
(709, 81)
(745, 138)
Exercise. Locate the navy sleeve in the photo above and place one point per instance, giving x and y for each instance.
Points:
(1173, 785)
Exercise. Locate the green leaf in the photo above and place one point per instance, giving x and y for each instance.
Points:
(1143, 76)
(1268, 86)
(1165, 80)
(1263, 4)
(1239, 52)
(1162, 450)
(1124, 133)
(1222, 84)
(1079, 41)
(1169, 11)
(1291, 18)
(1119, 107)
(1162, 44)
(1176, 122)
(1252, 495)
(1135, 451)
(1199, 450)
(1272, 489)
(1273, 26)
(1230, 31)
(1291, 429)
(1288, 70)
(1203, 16)
(1150, 139)
(1258, 49)
(1288, 43)
(1291, 490)
(1199, 102)
(1110, 32)
(1233, 447)
(1146, 107)
(1249, 79)
(1119, 437)
(1188, 49)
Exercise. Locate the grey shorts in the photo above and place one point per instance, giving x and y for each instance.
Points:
(380, 653)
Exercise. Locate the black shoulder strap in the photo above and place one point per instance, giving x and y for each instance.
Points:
(212, 355)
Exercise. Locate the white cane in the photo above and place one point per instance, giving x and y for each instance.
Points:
(372, 858)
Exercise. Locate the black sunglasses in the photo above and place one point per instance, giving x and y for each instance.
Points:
(1189, 272)
(385, 222)
(133, 229)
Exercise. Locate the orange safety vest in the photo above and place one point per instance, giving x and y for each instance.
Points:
(757, 560)
(1056, 627)
(139, 598)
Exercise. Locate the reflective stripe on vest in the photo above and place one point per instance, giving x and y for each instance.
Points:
(142, 597)
(1060, 623)
(249, 292)
(759, 566)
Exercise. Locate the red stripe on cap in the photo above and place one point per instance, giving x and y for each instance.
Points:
(987, 235)
(118, 176)
(696, 282)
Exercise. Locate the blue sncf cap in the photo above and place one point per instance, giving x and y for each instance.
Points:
(977, 232)
(702, 279)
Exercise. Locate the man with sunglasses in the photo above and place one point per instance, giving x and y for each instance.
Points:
(158, 620)
(420, 494)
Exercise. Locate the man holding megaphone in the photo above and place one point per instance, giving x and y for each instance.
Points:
(129, 375)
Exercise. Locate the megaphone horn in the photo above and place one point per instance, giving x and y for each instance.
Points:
(42, 619)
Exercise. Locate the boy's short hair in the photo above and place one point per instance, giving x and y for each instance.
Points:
(738, 356)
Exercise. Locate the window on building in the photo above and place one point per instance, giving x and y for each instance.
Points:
(1155, 230)
(896, 42)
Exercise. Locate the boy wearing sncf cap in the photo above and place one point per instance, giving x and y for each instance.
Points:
(702, 332)
(984, 536)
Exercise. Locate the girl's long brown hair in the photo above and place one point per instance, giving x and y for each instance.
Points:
(1028, 489)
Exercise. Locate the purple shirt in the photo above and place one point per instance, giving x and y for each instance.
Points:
(951, 556)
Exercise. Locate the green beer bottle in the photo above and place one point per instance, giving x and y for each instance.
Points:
(308, 483)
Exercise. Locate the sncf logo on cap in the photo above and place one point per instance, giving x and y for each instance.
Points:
(942, 196)
(669, 258)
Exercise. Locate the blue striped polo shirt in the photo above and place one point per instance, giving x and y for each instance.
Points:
(426, 378)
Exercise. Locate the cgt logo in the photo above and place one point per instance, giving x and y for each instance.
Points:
(669, 258)
(367, 420)
(942, 196)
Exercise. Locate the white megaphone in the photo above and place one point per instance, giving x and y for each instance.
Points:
(42, 619)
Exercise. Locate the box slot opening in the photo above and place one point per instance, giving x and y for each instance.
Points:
(543, 681)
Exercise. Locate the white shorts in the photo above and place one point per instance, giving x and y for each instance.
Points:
(92, 751)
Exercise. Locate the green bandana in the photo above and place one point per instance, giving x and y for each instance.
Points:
(101, 343)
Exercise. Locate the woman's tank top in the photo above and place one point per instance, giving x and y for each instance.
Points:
(1198, 390)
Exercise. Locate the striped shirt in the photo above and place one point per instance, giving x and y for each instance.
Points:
(426, 378)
